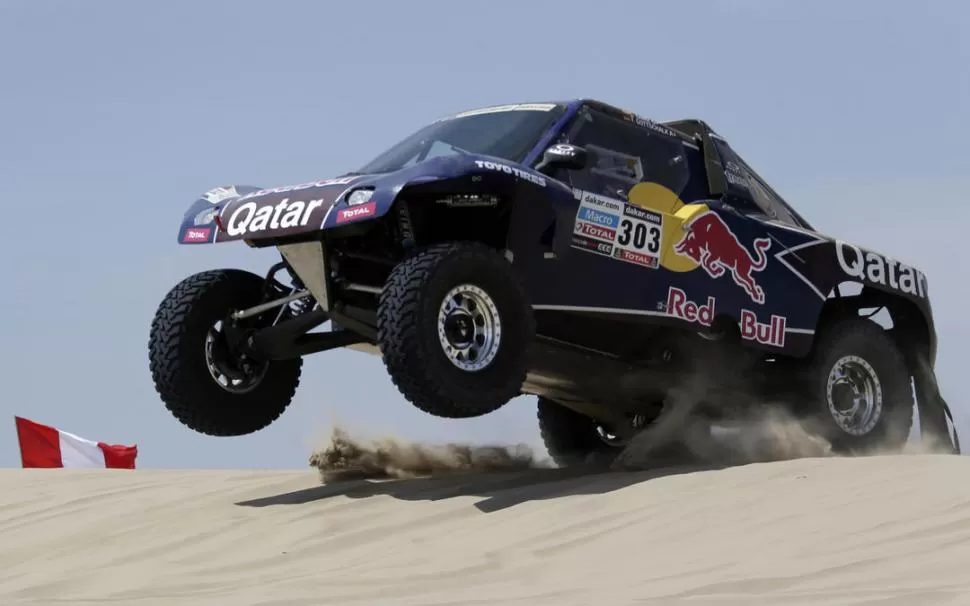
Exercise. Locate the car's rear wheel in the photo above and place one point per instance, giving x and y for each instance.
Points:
(572, 438)
(860, 390)
(208, 384)
(455, 326)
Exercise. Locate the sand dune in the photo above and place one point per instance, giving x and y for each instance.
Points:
(881, 530)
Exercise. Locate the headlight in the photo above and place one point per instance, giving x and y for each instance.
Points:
(205, 217)
(359, 196)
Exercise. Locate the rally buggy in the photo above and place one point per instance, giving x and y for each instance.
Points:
(574, 251)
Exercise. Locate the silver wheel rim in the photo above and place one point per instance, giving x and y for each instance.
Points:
(230, 380)
(469, 327)
(854, 395)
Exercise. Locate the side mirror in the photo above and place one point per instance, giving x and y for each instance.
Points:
(563, 155)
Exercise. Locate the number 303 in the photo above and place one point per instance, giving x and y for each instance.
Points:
(640, 233)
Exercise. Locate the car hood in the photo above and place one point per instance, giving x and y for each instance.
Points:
(242, 212)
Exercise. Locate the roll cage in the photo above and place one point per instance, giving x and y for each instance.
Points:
(727, 176)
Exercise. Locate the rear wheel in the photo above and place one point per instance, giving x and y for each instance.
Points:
(455, 326)
(208, 384)
(572, 438)
(860, 388)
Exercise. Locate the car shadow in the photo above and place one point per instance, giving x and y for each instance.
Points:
(496, 491)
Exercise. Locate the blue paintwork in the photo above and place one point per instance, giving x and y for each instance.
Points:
(580, 281)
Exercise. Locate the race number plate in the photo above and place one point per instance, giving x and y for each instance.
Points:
(619, 230)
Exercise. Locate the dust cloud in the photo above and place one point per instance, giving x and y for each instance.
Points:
(348, 458)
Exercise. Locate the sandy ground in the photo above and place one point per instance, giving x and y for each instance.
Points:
(891, 530)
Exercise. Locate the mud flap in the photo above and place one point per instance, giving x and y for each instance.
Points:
(935, 418)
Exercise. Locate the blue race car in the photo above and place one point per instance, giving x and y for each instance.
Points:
(573, 251)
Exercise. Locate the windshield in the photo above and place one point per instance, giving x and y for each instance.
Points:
(508, 132)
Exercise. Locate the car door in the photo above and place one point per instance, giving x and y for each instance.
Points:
(606, 250)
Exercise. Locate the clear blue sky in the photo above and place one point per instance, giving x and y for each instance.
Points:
(115, 115)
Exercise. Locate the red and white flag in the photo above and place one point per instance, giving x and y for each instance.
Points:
(43, 446)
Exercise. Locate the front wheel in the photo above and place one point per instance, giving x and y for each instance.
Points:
(860, 388)
(207, 384)
(455, 327)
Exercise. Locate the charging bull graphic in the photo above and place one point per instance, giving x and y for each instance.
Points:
(710, 243)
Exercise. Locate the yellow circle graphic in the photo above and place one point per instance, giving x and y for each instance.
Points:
(656, 197)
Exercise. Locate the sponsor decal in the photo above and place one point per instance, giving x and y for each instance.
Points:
(301, 186)
(679, 306)
(734, 175)
(218, 194)
(197, 234)
(250, 218)
(635, 234)
(354, 213)
(641, 235)
(772, 333)
(511, 170)
(869, 266)
(596, 246)
(709, 242)
(650, 124)
(597, 217)
(596, 231)
(596, 201)
(562, 149)
(634, 257)
(469, 201)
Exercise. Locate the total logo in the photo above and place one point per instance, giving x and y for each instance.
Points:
(345, 215)
(595, 231)
(197, 234)
(251, 218)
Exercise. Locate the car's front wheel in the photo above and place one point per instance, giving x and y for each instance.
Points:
(206, 383)
(455, 326)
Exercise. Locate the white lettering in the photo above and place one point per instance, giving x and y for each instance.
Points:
(237, 227)
(291, 217)
(857, 269)
(877, 269)
(250, 218)
(511, 170)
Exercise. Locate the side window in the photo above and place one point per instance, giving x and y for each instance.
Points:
(751, 195)
(623, 154)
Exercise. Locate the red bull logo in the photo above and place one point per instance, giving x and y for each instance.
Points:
(709, 242)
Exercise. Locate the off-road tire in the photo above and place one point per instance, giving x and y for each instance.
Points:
(408, 336)
(571, 438)
(867, 340)
(178, 363)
